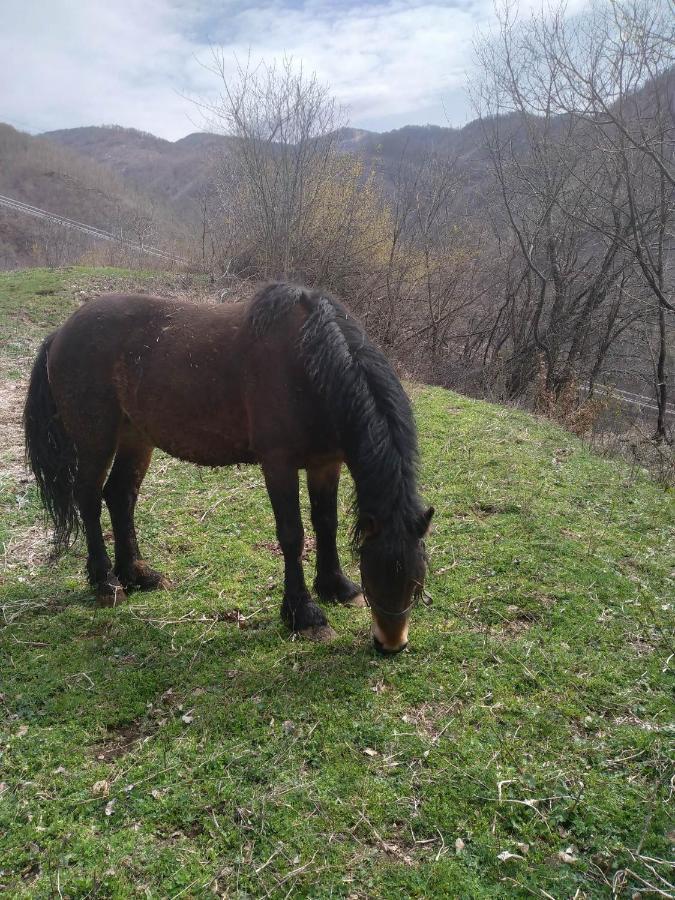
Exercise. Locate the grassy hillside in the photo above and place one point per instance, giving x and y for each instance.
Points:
(184, 745)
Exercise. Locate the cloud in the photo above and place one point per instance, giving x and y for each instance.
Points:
(72, 63)
(78, 62)
(380, 59)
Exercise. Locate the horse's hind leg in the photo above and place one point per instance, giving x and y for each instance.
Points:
(298, 610)
(330, 583)
(91, 417)
(87, 490)
(121, 493)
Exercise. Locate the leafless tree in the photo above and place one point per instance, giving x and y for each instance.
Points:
(614, 72)
(579, 126)
(272, 181)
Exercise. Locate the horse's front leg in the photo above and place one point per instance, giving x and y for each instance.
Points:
(298, 610)
(331, 584)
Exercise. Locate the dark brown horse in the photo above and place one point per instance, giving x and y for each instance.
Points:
(289, 381)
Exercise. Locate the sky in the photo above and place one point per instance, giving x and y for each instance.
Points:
(142, 63)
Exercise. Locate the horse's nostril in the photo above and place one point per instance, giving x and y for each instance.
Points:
(388, 651)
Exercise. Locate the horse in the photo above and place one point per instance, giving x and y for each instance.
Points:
(287, 380)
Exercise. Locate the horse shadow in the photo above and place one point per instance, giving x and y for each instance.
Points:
(110, 670)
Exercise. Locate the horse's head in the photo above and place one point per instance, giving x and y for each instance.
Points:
(392, 575)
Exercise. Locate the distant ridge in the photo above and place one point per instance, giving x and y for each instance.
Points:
(180, 169)
(175, 170)
(84, 173)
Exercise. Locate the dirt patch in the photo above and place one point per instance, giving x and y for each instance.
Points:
(122, 741)
(496, 509)
(28, 549)
(645, 644)
(95, 633)
(518, 622)
(642, 724)
(508, 621)
(274, 548)
(486, 509)
(399, 845)
(12, 397)
(236, 617)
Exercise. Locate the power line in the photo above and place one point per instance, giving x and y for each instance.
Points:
(36, 212)
(633, 399)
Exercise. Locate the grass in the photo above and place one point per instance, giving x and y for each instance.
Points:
(184, 745)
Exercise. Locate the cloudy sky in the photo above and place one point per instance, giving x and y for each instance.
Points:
(65, 63)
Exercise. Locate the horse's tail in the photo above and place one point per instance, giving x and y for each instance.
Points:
(50, 453)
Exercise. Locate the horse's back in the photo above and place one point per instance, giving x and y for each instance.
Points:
(195, 379)
(112, 321)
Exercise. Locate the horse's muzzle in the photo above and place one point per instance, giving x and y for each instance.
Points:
(389, 636)
(388, 651)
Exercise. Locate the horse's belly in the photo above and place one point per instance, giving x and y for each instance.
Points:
(192, 422)
(203, 448)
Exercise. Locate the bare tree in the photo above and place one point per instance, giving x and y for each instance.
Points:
(580, 133)
(272, 182)
(614, 73)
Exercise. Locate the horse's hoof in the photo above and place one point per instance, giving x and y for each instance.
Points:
(358, 601)
(322, 634)
(143, 578)
(153, 581)
(110, 594)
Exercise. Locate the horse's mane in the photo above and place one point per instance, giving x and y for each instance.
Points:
(369, 408)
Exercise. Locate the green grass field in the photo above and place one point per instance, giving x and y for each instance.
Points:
(184, 745)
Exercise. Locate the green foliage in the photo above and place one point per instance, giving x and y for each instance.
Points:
(183, 744)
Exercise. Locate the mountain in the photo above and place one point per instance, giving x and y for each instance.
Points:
(60, 179)
(176, 171)
(101, 175)
(179, 169)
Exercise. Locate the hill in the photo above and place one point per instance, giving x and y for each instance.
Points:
(146, 159)
(100, 174)
(181, 169)
(183, 744)
(62, 180)
(90, 171)
(177, 171)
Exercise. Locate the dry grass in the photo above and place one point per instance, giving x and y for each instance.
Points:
(26, 550)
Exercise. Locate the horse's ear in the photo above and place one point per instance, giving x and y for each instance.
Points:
(368, 526)
(425, 521)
